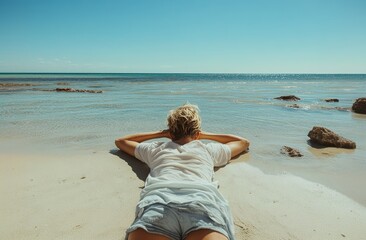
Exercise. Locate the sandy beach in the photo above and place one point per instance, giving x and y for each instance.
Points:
(76, 75)
(92, 195)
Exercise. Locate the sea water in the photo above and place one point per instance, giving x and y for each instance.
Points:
(241, 104)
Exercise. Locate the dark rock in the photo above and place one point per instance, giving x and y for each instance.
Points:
(331, 100)
(65, 90)
(288, 98)
(359, 106)
(76, 90)
(292, 152)
(326, 137)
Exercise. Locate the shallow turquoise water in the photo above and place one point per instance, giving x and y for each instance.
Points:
(238, 104)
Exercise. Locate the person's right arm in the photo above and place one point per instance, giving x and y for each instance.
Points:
(236, 144)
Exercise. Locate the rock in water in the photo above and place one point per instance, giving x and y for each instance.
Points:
(359, 106)
(332, 100)
(292, 152)
(65, 90)
(76, 90)
(326, 137)
(288, 98)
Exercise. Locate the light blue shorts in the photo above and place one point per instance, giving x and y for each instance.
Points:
(174, 222)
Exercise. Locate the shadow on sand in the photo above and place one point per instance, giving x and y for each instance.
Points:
(139, 168)
(325, 151)
(315, 144)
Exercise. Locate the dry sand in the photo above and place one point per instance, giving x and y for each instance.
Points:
(93, 196)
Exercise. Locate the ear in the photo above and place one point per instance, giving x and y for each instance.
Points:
(172, 137)
(196, 135)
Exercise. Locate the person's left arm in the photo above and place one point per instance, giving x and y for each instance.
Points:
(129, 143)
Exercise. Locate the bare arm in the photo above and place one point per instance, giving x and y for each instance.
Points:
(129, 143)
(236, 144)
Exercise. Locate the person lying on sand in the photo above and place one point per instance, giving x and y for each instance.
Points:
(180, 199)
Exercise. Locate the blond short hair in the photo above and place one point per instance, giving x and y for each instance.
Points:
(184, 121)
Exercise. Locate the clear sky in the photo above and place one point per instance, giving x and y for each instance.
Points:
(218, 36)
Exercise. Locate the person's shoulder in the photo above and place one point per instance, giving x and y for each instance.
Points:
(208, 146)
(205, 144)
(154, 144)
(145, 150)
(215, 145)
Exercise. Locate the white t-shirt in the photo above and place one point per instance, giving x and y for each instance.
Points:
(194, 161)
(183, 175)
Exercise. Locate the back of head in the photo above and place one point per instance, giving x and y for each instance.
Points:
(184, 121)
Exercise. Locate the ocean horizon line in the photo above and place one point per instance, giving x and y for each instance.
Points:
(188, 73)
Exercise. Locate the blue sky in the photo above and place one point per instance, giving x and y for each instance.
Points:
(210, 36)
